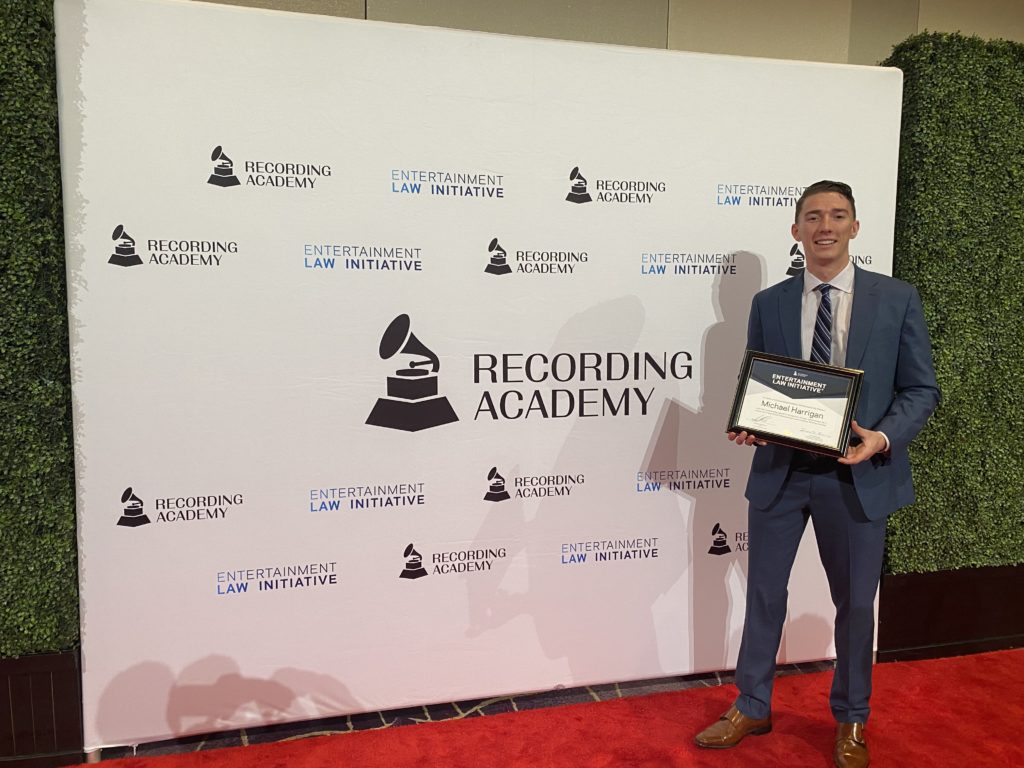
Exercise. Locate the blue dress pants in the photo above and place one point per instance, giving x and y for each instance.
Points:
(851, 548)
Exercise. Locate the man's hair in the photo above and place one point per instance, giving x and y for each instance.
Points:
(826, 186)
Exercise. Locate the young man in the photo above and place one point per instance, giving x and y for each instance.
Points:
(842, 315)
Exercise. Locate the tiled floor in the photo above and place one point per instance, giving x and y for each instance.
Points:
(437, 712)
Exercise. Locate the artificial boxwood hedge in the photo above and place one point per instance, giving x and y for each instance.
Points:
(960, 240)
(38, 576)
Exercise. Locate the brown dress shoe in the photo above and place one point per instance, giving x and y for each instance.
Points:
(730, 728)
(851, 749)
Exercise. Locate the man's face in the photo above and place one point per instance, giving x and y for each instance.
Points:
(825, 227)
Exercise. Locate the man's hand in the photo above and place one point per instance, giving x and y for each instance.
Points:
(742, 438)
(871, 443)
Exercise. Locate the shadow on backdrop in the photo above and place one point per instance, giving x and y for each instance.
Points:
(696, 439)
(148, 701)
(593, 618)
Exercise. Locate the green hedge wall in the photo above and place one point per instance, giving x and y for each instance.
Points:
(38, 575)
(960, 240)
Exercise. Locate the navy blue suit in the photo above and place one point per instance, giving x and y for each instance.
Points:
(888, 340)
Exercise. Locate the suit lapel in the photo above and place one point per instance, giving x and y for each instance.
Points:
(790, 299)
(865, 309)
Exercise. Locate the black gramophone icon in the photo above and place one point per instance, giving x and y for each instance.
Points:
(134, 514)
(496, 491)
(124, 254)
(223, 171)
(796, 263)
(578, 193)
(412, 402)
(719, 541)
(413, 564)
(498, 264)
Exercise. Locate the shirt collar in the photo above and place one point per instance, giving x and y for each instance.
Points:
(843, 281)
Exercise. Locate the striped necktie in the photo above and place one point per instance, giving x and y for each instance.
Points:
(821, 346)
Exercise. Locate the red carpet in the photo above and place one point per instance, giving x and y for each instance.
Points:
(965, 711)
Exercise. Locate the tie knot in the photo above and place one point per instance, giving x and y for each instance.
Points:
(825, 288)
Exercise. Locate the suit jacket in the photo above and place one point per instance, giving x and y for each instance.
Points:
(888, 340)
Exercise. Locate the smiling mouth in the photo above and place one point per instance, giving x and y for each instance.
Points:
(825, 243)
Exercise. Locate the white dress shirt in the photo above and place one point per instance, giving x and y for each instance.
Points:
(842, 305)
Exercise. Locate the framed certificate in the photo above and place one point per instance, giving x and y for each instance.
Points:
(796, 403)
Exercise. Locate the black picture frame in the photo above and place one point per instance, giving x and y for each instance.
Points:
(804, 378)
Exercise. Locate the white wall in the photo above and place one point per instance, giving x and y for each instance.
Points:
(840, 31)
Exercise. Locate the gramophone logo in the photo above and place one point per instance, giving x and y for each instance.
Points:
(280, 174)
(223, 169)
(496, 490)
(545, 259)
(133, 514)
(719, 541)
(498, 264)
(124, 254)
(578, 193)
(631, 190)
(170, 252)
(796, 260)
(412, 402)
(413, 564)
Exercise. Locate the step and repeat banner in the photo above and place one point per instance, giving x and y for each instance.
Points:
(402, 356)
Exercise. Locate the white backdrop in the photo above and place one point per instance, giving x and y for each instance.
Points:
(244, 532)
